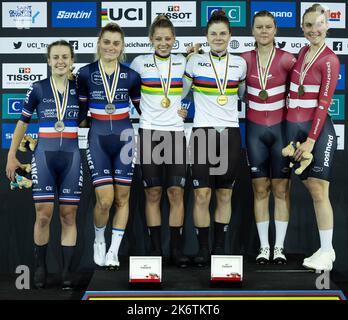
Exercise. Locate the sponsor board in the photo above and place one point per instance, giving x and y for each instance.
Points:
(284, 12)
(21, 75)
(124, 14)
(12, 104)
(336, 13)
(74, 14)
(341, 83)
(38, 45)
(135, 45)
(24, 15)
(7, 130)
(339, 129)
(337, 107)
(180, 13)
(235, 11)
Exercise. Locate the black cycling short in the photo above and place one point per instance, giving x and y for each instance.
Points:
(264, 150)
(162, 157)
(323, 151)
(214, 157)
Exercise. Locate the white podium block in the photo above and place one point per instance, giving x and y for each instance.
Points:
(226, 268)
(145, 269)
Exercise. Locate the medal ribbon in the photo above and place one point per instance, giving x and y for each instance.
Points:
(221, 87)
(110, 94)
(165, 85)
(60, 107)
(310, 63)
(264, 75)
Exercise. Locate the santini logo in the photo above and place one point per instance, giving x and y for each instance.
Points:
(74, 14)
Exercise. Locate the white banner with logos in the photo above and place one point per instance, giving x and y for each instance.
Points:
(136, 45)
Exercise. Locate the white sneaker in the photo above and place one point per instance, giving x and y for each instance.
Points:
(111, 261)
(322, 261)
(263, 256)
(279, 256)
(99, 253)
(315, 254)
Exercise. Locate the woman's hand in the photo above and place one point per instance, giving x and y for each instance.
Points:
(306, 146)
(11, 166)
(182, 112)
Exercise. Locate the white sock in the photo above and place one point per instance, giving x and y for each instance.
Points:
(280, 228)
(326, 240)
(117, 235)
(99, 234)
(262, 228)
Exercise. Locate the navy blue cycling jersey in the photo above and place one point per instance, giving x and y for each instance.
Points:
(105, 141)
(40, 97)
(92, 96)
(56, 160)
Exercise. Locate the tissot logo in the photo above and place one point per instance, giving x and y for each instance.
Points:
(125, 14)
(337, 46)
(74, 14)
(18, 76)
(281, 45)
(182, 14)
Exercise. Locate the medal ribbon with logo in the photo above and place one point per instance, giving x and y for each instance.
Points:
(110, 108)
(222, 99)
(263, 75)
(301, 88)
(165, 102)
(60, 107)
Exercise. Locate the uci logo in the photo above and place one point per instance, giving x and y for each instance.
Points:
(130, 14)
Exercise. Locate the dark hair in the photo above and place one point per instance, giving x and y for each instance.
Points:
(111, 27)
(218, 16)
(315, 8)
(60, 43)
(161, 21)
(264, 13)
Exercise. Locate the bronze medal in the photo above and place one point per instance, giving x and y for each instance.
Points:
(165, 102)
(301, 90)
(263, 95)
(222, 99)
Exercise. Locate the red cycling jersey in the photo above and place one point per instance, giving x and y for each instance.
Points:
(319, 84)
(272, 110)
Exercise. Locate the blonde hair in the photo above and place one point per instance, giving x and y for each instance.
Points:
(112, 27)
(318, 8)
(161, 21)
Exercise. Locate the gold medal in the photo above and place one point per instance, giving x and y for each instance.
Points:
(165, 102)
(59, 126)
(263, 95)
(301, 90)
(222, 99)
